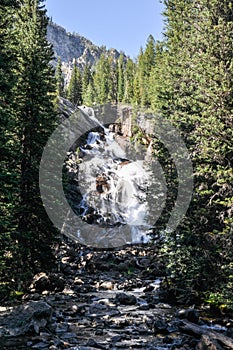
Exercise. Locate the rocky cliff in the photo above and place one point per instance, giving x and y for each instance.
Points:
(69, 46)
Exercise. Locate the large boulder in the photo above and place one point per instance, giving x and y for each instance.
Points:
(30, 317)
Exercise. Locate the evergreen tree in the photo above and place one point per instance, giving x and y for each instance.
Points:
(89, 94)
(138, 79)
(9, 179)
(120, 78)
(86, 78)
(75, 86)
(146, 62)
(102, 80)
(137, 88)
(129, 81)
(149, 56)
(192, 85)
(34, 93)
(112, 80)
(59, 78)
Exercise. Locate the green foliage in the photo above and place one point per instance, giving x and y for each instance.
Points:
(129, 79)
(9, 179)
(105, 80)
(28, 119)
(120, 78)
(191, 84)
(74, 93)
(59, 79)
(145, 64)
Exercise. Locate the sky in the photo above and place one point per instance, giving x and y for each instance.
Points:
(121, 24)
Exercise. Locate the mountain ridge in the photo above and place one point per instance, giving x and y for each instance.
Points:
(70, 47)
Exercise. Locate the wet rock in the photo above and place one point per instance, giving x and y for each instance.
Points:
(94, 344)
(99, 332)
(40, 345)
(190, 314)
(116, 338)
(160, 326)
(102, 185)
(101, 309)
(149, 289)
(126, 299)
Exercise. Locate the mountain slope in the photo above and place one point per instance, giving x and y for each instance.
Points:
(69, 46)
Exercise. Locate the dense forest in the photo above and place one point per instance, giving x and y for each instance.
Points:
(187, 78)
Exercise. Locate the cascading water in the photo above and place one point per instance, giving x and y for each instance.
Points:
(120, 192)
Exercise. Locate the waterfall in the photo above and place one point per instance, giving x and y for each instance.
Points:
(118, 187)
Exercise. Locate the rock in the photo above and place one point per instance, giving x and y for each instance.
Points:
(102, 185)
(107, 285)
(123, 266)
(94, 344)
(191, 315)
(126, 299)
(40, 345)
(97, 309)
(69, 46)
(160, 326)
(78, 281)
(99, 332)
(116, 338)
(43, 282)
(29, 317)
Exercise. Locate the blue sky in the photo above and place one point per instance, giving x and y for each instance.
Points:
(121, 24)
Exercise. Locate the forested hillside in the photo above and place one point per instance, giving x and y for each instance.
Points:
(27, 117)
(187, 79)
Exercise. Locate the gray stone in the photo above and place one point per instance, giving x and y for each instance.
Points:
(126, 299)
(190, 314)
(33, 315)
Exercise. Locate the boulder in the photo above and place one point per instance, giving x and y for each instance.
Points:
(30, 317)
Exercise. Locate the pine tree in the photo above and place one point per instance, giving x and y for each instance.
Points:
(75, 86)
(86, 78)
(89, 95)
(129, 81)
(112, 80)
(145, 64)
(120, 78)
(9, 180)
(192, 84)
(34, 93)
(59, 78)
(149, 55)
(101, 80)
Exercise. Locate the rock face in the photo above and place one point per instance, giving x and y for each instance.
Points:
(69, 46)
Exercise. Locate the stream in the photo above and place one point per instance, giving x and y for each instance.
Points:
(105, 300)
(115, 297)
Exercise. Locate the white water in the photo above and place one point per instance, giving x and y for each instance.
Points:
(116, 189)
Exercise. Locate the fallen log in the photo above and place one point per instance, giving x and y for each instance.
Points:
(189, 327)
